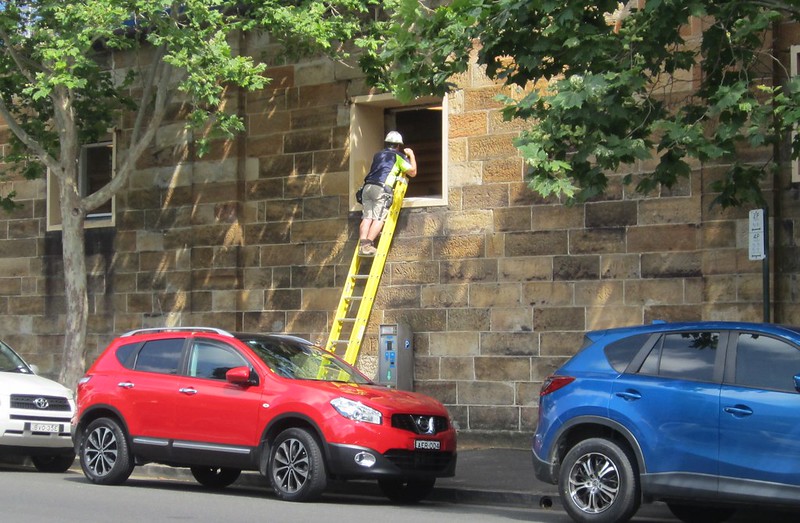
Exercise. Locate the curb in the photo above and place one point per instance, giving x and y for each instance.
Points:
(370, 488)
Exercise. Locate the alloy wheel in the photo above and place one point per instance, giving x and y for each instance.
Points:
(101, 451)
(593, 483)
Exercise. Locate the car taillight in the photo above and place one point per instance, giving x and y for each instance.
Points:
(553, 383)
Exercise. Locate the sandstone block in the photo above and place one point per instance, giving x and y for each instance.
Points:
(559, 319)
(502, 369)
(509, 343)
(493, 418)
(454, 344)
(468, 319)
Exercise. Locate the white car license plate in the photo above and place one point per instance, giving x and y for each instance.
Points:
(45, 427)
(426, 444)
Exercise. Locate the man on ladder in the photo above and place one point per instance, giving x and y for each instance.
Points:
(387, 164)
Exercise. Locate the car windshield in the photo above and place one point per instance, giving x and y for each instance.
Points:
(11, 362)
(295, 359)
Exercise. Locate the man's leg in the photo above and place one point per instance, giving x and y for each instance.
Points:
(374, 230)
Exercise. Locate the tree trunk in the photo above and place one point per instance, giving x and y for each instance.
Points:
(73, 362)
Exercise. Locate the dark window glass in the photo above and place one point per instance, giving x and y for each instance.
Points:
(621, 352)
(125, 354)
(421, 128)
(766, 363)
(97, 170)
(686, 355)
(162, 356)
(212, 361)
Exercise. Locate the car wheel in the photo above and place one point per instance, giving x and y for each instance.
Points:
(104, 454)
(689, 513)
(58, 463)
(598, 482)
(296, 468)
(410, 491)
(215, 477)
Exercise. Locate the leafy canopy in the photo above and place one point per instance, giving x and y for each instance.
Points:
(80, 67)
(600, 95)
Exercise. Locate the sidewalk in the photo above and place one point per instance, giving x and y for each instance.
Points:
(495, 476)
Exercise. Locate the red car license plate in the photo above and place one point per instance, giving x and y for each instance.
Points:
(427, 444)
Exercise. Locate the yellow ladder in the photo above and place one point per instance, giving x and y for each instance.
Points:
(361, 286)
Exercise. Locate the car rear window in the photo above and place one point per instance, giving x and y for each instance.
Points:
(620, 353)
(684, 355)
(125, 354)
(161, 356)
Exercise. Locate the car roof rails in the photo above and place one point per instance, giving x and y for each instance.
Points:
(221, 332)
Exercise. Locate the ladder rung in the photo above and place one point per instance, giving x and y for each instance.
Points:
(360, 276)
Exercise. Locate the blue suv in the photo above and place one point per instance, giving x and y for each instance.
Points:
(704, 416)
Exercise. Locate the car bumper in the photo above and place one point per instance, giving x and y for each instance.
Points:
(353, 461)
(543, 470)
(17, 437)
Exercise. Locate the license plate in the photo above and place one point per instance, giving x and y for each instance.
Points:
(427, 444)
(45, 427)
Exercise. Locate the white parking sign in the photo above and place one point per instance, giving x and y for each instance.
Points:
(757, 235)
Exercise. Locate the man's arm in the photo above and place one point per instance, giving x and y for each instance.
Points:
(412, 160)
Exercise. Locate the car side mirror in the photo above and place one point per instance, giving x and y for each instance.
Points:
(797, 382)
(240, 376)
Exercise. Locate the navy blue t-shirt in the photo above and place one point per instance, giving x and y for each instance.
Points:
(386, 163)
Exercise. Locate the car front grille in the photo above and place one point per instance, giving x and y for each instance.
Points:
(428, 425)
(420, 461)
(39, 403)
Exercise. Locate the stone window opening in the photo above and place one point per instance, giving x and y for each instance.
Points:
(424, 128)
(95, 169)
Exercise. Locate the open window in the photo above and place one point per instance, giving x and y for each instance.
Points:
(422, 123)
(95, 169)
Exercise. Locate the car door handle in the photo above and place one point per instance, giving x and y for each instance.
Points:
(125, 384)
(629, 395)
(740, 411)
(187, 390)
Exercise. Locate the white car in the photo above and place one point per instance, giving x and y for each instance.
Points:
(35, 415)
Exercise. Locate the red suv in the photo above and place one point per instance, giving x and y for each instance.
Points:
(220, 403)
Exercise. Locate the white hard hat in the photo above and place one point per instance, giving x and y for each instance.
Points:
(394, 137)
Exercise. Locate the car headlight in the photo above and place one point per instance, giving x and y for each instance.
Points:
(356, 411)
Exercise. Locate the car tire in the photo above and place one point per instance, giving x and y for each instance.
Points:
(598, 482)
(296, 467)
(689, 513)
(215, 477)
(104, 453)
(406, 491)
(56, 463)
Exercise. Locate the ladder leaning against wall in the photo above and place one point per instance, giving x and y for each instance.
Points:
(361, 286)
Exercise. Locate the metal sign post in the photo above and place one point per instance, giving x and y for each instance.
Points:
(758, 249)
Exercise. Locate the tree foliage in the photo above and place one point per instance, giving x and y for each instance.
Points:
(69, 71)
(605, 84)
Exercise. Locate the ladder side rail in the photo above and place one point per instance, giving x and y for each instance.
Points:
(344, 302)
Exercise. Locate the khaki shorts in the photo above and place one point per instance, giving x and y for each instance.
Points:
(376, 202)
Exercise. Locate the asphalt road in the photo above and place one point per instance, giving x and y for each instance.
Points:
(27, 496)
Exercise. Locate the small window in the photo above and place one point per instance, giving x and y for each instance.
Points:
(212, 361)
(766, 363)
(621, 352)
(687, 356)
(125, 354)
(162, 356)
(424, 129)
(95, 170)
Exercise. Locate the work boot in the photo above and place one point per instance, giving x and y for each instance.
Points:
(367, 248)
